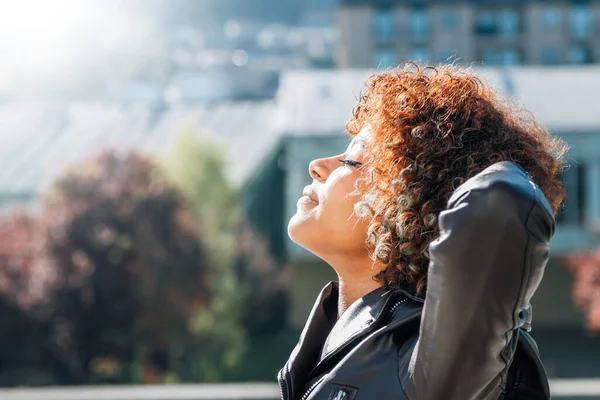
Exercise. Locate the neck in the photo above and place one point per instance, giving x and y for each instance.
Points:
(354, 283)
(349, 292)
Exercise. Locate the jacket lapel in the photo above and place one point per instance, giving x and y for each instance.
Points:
(358, 318)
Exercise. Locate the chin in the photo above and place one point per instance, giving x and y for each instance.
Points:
(294, 228)
(300, 229)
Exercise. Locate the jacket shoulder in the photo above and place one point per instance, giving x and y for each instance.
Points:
(504, 177)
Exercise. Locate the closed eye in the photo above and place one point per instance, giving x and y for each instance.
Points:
(352, 163)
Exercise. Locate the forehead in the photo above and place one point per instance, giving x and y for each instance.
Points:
(364, 135)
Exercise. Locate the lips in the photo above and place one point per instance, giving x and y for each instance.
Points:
(309, 194)
(307, 200)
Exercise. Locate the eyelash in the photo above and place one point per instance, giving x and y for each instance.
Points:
(351, 163)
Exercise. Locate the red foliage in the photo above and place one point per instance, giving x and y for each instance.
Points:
(586, 285)
(26, 272)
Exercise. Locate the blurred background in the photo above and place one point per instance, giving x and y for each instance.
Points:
(152, 151)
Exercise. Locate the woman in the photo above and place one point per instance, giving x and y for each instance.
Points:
(437, 220)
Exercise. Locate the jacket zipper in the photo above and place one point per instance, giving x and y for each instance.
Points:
(282, 389)
(283, 386)
(311, 388)
(395, 306)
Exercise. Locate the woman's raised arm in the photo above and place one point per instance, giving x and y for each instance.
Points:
(484, 269)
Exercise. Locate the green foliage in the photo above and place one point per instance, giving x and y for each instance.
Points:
(196, 167)
(250, 281)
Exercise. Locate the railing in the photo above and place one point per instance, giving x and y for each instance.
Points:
(560, 388)
(253, 391)
(575, 388)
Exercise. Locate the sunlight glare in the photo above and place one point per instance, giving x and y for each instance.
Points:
(39, 33)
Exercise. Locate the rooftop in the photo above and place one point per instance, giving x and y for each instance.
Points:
(38, 139)
(320, 102)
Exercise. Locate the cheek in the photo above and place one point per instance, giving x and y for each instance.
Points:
(342, 230)
(338, 203)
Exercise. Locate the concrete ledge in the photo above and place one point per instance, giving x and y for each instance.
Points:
(560, 388)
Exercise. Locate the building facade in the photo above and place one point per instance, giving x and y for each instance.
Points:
(383, 33)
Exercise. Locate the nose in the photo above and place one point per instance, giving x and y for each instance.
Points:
(318, 169)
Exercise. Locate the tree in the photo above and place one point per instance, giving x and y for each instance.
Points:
(121, 277)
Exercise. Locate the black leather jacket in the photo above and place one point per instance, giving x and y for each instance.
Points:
(469, 338)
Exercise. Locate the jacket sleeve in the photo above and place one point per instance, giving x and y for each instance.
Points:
(484, 269)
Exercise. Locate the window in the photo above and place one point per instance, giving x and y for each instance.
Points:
(418, 24)
(550, 56)
(579, 54)
(580, 21)
(505, 23)
(573, 210)
(581, 193)
(485, 24)
(508, 24)
(449, 19)
(385, 58)
(551, 17)
(419, 54)
(501, 57)
(385, 25)
(491, 57)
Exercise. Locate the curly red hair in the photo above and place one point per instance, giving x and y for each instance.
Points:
(434, 128)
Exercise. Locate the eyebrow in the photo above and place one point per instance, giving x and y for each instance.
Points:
(356, 141)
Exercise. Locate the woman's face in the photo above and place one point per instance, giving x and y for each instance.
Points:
(324, 222)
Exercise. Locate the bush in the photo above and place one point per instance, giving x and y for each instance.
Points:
(116, 274)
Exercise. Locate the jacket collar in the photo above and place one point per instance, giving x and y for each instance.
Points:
(359, 317)
(323, 336)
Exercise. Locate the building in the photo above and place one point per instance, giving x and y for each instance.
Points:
(382, 33)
